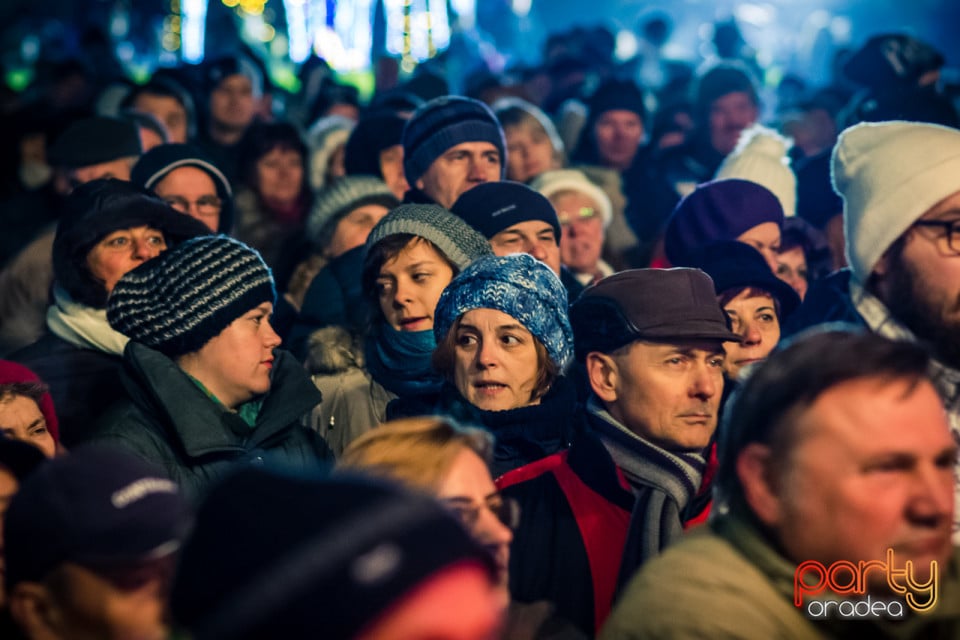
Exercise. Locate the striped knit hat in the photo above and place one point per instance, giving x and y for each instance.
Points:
(338, 199)
(520, 286)
(445, 122)
(186, 296)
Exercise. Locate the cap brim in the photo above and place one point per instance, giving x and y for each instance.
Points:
(690, 331)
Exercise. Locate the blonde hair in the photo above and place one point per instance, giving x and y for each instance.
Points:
(417, 452)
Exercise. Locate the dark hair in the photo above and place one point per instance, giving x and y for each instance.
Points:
(168, 88)
(32, 390)
(445, 355)
(765, 408)
(725, 296)
(263, 137)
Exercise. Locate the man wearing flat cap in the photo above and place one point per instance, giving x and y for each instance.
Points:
(651, 342)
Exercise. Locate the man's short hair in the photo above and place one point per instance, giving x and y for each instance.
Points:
(765, 409)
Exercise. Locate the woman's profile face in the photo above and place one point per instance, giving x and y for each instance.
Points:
(409, 286)
(495, 361)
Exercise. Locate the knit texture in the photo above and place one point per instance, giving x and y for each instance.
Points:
(550, 183)
(520, 286)
(492, 207)
(338, 199)
(715, 212)
(445, 122)
(889, 174)
(761, 156)
(456, 239)
(179, 301)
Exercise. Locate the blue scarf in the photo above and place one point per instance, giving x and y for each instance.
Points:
(400, 361)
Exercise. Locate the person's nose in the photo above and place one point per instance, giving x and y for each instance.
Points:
(704, 383)
(751, 334)
(487, 354)
(402, 294)
(145, 250)
(931, 496)
(476, 172)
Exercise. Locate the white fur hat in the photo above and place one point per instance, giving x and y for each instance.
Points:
(889, 174)
(550, 183)
(761, 156)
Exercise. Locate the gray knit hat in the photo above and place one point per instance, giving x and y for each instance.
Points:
(186, 296)
(458, 241)
(445, 122)
(341, 197)
(520, 286)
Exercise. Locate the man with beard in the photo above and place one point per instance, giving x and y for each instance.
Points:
(900, 183)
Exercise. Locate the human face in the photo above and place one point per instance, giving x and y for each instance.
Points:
(495, 364)
(765, 238)
(534, 237)
(167, 110)
(792, 269)
(581, 240)
(668, 394)
(753, 317)
(871, 469)
(459, 169)
(391, 168)
(352, 230)
(191, 190)
(468, 489)
(409, 286)
(123, 250)
(21, 419)
(457, 603)
(729, 115)
(280, 175)
(618, 134)
(921, 285)
(529, 152)
(233, 104)
(119, 169)
(235, 365)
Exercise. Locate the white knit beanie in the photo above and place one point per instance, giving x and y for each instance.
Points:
(761, 156)
(550, 183)
(889, 174)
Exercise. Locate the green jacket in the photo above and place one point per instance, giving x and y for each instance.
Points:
(168, 420)
(726, 581)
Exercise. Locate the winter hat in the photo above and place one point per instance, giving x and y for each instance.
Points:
(891, 59)
(186, 296)
(551, 183)
(491, 207)
(338, 199)
(95, 140)
(323, 558)
(156, 164)
(616, 95)
(889, 174)
(817, 202)
(520, 286)
(445, 122)
(648, 304)
(719, 80)
(373, 134)
(761, 156)
(323, 139)
(459, 242)
(15, 372)
(97, 209)
(717, 211)
(216, 71)
(98, 507)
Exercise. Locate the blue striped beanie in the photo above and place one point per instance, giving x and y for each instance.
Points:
(520, 286)
(180, 300)
(445, 122)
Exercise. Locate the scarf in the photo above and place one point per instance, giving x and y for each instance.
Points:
(83, 326)
(663, 482)
(401, 361)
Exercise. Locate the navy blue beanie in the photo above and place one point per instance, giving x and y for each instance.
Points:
(492, 207)
(445, 122)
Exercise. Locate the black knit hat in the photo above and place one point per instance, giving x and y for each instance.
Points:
(891, 60)
(373, 134)
(97, 209)
(93, 141)
(186, 296)
(616, 95)
(321, 559)
(156, 164)
(491, 207)
(719, 80)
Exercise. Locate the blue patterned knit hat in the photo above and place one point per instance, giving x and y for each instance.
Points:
(186, 296)
(520, 286)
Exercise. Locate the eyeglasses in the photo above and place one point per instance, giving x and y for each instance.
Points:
(951, 231)
(507, 510)
(206, 205)
(584, 213)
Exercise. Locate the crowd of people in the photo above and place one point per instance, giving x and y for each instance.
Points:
(564, 357)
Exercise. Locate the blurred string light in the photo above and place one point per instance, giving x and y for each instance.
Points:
(466, 11)
(299, 39)
(521, 8)
(170, 38)
(193, 25)
(416, 30)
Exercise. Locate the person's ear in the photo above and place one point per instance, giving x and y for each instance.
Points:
(603, 374)
(33, 607)
(755, 473)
